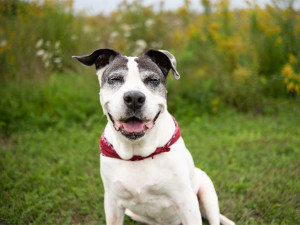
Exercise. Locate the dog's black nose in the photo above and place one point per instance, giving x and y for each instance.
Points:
(134, 99)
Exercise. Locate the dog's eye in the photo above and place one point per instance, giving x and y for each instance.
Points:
(115, 79)
(152, 80)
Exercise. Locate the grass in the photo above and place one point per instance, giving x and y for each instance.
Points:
(49, 156)
(254, 163)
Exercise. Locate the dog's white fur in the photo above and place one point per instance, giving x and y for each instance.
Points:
(163, 190)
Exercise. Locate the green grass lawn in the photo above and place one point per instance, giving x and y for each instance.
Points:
(49, 156)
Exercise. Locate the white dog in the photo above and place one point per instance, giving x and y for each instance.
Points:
(146, 169)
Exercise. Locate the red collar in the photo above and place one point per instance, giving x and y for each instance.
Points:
(108, 150)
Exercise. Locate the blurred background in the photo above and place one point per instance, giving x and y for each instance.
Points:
(237, 101)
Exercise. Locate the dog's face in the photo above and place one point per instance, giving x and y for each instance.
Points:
(132, 89)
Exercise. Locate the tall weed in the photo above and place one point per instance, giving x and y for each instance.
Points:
(36, 38)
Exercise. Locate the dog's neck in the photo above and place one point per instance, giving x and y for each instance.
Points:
(158, 136)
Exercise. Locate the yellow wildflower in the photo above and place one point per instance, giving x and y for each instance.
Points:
(276, 30)
(290, 87)
(263, 27)
(223, 4)
(213, 26)
(278, 41)
(297, 29)
(287, 70)
(213, 30)
(182, 11)
(215, 102)
(200, 73)
(192, 31)
(286, 80)
(241, 73)
(292, 59)
(270, 30)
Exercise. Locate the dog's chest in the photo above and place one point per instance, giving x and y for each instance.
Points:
(141, 194)
(149, 201)
(140, 183)
(142, 188)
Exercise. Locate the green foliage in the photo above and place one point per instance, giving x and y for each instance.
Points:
(40, 105)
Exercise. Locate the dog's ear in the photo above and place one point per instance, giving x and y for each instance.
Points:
(100, 58)
(165, 61)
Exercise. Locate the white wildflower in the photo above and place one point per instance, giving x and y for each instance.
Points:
(57, 60)
(127, 34)
(140, 46)
(47, 64)
(3, 43)
(126, 27)
(40, 52)
(39, 43)
(57, 45)
(141, 43)
(87, 29)
(156, 44)
(149, 22)
(74, 37)
(114, 34)
(47, 56)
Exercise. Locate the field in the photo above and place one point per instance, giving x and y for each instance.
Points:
(50, 166)
(237, 104)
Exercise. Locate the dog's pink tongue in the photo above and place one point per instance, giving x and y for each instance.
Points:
(133, 126)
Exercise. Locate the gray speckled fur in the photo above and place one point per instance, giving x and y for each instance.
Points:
(148, 68)
(118, 65)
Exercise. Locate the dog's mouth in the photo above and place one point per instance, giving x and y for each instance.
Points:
(133, 128)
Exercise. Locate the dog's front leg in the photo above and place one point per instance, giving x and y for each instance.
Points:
(114, 212)
(188, 208)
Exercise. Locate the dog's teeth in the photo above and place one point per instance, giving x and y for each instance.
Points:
(149, 125)
(117, 125)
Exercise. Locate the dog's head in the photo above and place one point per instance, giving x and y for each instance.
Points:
(132, 89)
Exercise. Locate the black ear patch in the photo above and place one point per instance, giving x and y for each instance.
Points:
(164, 60)
(100, 58)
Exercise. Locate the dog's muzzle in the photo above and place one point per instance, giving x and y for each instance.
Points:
(133, 127)
(134, 124)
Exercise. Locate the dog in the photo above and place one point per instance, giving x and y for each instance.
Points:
(147, 172)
